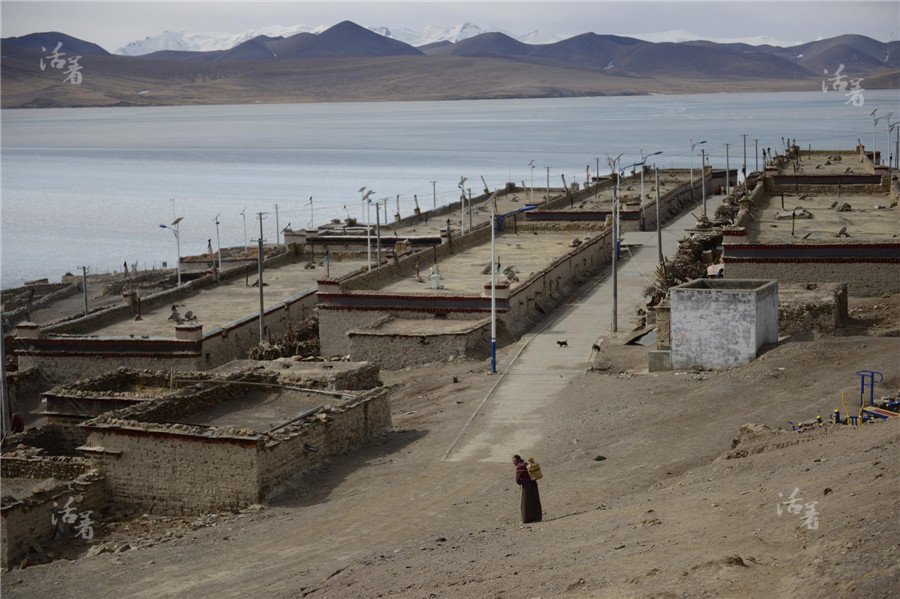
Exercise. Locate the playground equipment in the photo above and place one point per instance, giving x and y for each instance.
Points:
(866, 413)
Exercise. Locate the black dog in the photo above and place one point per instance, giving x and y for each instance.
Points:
(564, 343)
(595, 347)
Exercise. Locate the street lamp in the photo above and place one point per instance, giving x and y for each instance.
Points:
(531, 164)
(693, 145)
(875, 124)
(462, 205)
(218, 242)
(643, 161)
(174, 227)
(365, 202)
(493, 201)
(613, 164)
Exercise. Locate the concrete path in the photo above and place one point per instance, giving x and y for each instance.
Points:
(508, 420)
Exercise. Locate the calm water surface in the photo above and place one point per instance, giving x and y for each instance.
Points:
(90, 186)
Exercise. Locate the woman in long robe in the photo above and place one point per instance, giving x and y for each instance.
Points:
(531, 498)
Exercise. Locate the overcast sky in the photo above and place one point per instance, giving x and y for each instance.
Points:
(114, 24)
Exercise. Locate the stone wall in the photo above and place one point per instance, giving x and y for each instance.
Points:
(172, 472)
(27, 522)
(28, 463)
(393, 351)
(817, 307)
(864, 279)
(55, 439)
(209, 468)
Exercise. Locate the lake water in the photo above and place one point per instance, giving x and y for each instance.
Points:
(90, 186)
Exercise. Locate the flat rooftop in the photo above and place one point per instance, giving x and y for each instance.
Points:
(864, 222)
(258, 409)
(528, 252)
(630, 190)
(231, 300)
(828, 163)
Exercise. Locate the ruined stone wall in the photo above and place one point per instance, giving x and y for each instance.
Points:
(864, 279)
(55, 439)
(26, 463)
(393, 351)
(64, 368)
(29, 520)
(168, 472)
(821, 308)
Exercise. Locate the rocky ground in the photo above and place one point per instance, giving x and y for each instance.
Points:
(655, 485)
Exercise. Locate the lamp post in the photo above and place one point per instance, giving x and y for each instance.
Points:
(434, 193)
(218, 242)
(693, 145)
(174, 227)
(896, 145)
(244, 214)
(462, 204)
(643, 161)
(888, 146)
(531, 201)
(703, 177)
(493, 202)
(874, 125)
(365, 199)
(613, 163)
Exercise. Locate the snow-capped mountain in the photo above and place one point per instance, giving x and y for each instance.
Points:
(682, 35)
(539, 37)
(204, 42)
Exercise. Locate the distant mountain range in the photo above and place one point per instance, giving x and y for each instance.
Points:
(205, 42)
(348, 62)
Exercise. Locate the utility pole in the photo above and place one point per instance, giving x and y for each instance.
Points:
(493, 286)
(246, 247)
(262, 314)
(658, 223)
(756, 152)
(727, 173)
(84, 287)
(378, 230)
(5, 425)
(615, 250)
(548, 183)
(218, 242)
(598, 170)
(277, 228)
(745, 157)
(703, 177)
(434, 192)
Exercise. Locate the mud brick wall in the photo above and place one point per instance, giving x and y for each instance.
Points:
(55, 439)
(822, 309)
(332, 432)
(393, 351)
(177, 474)
(364, 377)
(864, 279)
(72, 368)
(29, 520)
(14, 465)
(234, 340)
